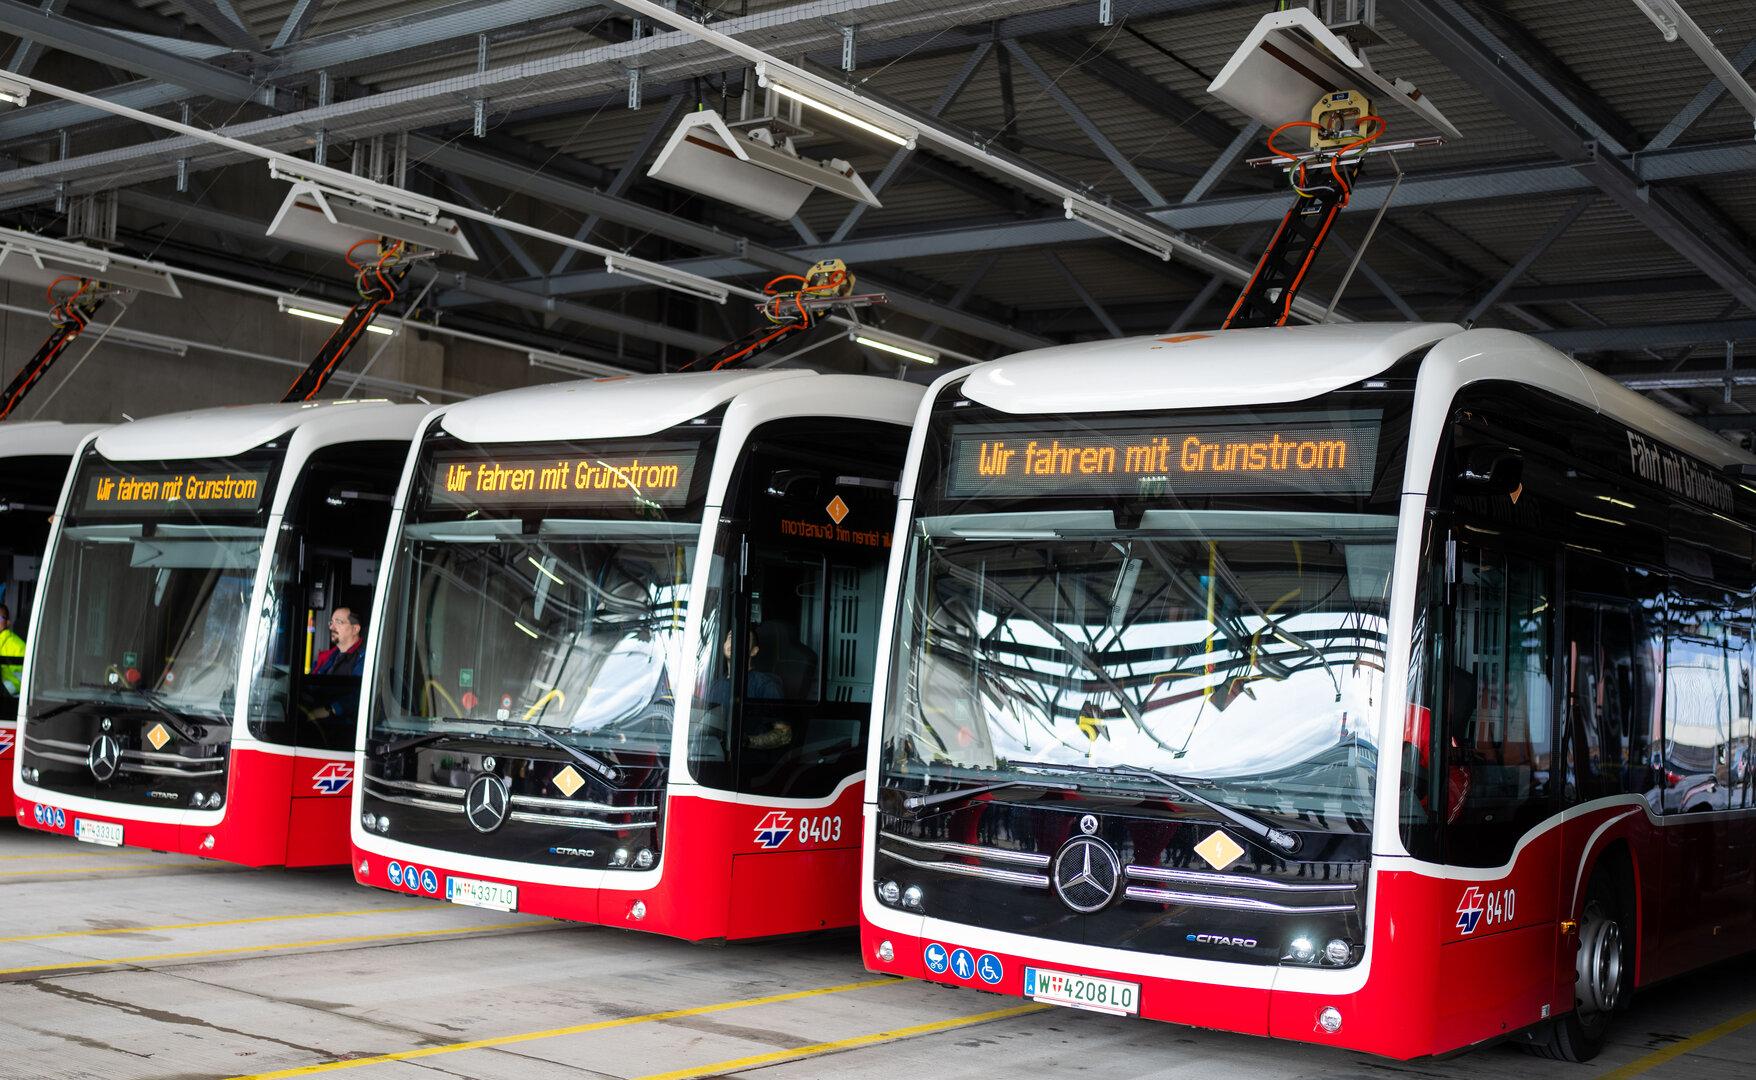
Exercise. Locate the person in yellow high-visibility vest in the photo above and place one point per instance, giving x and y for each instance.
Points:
(11, 653)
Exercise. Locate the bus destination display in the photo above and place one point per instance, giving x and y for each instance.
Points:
(1186, 456)
(658, 476)
(198, 489)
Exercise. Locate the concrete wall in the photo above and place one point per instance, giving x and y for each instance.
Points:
(114, 380)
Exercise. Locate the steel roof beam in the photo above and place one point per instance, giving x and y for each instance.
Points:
(1529, 258)
(1052, 89)
(72, 36)
(1702, 101)
(219, 18)
(1656, 336)
(1450, 32)
(26, 53)
(1144, 90)
(293, 27)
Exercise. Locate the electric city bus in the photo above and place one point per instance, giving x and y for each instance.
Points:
(623, 655)
(177, 692)
(34, 458)
(1385, 687)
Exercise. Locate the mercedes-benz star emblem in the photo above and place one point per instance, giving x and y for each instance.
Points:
(1086, 873)
(1088, 824)
(485, 803)
(104, 757)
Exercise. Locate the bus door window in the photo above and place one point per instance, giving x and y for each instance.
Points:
(325, 569)
(1498, 704)
(1700, 694)
(807, 549)
(1608, 691)
(32, 485)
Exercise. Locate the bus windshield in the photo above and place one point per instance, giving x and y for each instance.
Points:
(149, 588)
(573, 626)
(1242, 650)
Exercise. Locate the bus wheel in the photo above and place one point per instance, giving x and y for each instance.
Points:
(1601, 978)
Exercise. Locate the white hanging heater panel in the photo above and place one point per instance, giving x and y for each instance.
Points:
(329, 223)
(706, 156)
(39, 260)
(1291, 59)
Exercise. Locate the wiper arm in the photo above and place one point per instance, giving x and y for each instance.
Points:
(923, 802)
(600, 768)
(412, 741)
(1279, 839)
(172, 720)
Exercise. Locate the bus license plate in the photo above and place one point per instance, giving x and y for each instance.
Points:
(107, 833)
(1082, 992)
(483, 894)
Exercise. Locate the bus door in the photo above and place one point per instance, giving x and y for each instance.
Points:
(307, 695)
(1501, 782)
(817, 502)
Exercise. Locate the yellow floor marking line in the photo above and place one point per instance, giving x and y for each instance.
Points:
(1678, 1049)
(577, 1029)
(725, 1068)
(211, 923)
(128, 961)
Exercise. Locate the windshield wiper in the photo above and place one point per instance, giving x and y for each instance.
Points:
(1279, 839)
(602, 769)
(922, 802)
(172, 720)
(412, 741)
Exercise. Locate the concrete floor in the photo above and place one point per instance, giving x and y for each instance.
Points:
(126, 964)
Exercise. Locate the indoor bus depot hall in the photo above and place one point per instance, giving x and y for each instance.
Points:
(668, 541)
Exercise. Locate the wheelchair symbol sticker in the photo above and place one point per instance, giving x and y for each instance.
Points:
(988, 966)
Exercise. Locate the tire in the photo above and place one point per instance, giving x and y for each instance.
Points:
(1604, 974)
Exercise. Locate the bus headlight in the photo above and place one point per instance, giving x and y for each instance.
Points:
(890, 892)
(620, 858)
(912, 897)
(643, 859)
(383, 824)
(1301, 950)
(1337, 952)
(370, 821)
(886, 952)
(1329, 1019)
(213, 801)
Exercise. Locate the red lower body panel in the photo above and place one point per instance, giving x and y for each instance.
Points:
(262, 824)
(729, 871)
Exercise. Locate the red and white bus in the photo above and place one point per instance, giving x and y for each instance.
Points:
(172, 694)
(1385, 687)
(34, 457)
(625, 650)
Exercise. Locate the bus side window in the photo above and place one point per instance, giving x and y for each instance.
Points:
(1700, 671)
(1607, 702)
(1499, 752)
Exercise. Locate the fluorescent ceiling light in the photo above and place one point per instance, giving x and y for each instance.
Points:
(296, 308)
(762, 174)
(896, 345)
(13, 92)
(663, 276)
(1120, 226)
(572, 365)
(847, 110)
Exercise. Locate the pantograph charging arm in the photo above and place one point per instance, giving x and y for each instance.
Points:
(69, 318)
(794, 307)
(378, 283)
(1323, 185)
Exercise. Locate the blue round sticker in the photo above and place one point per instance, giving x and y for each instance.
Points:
(394, 873)
(429, 882)
(989, 969)
(60, 818)
(963, 965)
(936, 958)
(40, 812)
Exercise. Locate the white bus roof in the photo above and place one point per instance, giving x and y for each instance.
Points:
(42, 437)
(234, 429)
(624, 406)
(1278, 364)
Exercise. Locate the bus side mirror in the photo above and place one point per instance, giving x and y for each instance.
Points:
(1494, 470)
